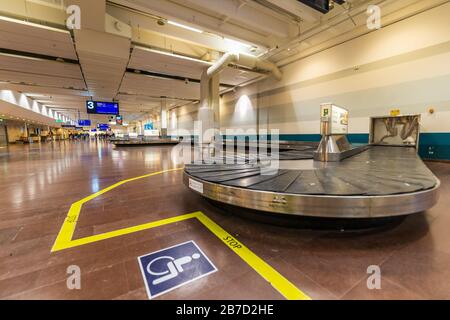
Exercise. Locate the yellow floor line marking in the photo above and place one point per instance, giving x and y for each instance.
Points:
(64, 239)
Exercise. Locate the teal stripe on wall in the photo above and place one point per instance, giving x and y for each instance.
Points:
(434, 146)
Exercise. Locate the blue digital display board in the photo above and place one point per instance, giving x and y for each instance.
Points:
(102, 126)
(84, 123)
(98, 107)
(320, 5)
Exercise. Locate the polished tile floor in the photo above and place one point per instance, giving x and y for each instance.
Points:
(38, 183)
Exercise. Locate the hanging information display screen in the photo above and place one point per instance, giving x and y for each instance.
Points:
(98, 107)
(84, 123)
(103, 126)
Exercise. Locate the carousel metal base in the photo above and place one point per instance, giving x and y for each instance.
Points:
(378, 182)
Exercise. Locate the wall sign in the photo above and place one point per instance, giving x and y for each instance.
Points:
(173, 267)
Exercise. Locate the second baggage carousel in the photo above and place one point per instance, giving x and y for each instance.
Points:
(378, 182)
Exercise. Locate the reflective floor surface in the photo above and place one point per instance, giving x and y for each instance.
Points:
(39, 182)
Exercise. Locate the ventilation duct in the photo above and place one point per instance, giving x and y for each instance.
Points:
(244, 60)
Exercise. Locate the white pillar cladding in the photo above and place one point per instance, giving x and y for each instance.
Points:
(208, 112)
(163, 118)
(207, 127)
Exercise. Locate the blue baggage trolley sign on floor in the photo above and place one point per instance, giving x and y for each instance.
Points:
(170, 268)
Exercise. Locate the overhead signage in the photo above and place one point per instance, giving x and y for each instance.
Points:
(59, 121)
(98, 107)
(148, 126)
(84, 122)
(173, 267)
(102, 126)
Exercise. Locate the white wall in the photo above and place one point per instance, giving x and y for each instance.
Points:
(185, 118)
(405, 65)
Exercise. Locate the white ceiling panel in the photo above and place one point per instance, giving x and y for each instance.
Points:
(103, 59)
(41, 80)
(39, 66)
(141, 103)
(157, 87)
(166, 63)
(43, 90)
(29, 37)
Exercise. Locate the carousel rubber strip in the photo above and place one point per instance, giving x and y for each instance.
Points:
(287, 150)
(379, 182)
(153, 142)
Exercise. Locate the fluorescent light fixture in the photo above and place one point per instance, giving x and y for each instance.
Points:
(175, 55)
(36, 25)
(36, 95)
(235, 42)
(184, 26)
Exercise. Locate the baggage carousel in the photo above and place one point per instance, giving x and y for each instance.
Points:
(381, 181)
(145, 142)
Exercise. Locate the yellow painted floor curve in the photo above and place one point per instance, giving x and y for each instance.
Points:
(64, 239)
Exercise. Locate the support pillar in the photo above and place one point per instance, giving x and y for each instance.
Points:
(208, 113)
(163, 118)
(208, 127)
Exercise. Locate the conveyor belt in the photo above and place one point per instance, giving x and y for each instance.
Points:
(287, 150)
(150, 142)
(373, 174)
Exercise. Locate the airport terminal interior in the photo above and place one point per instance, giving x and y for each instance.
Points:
(224, 149)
